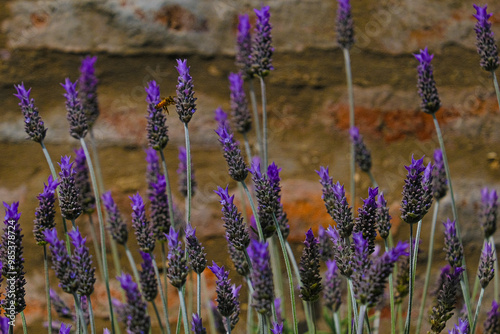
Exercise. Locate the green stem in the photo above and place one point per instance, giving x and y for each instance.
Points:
(132, 265)
(336, 321)
(247, 148)
(310, 318)
(349, 308)
(496, 278)
(23, 319)
(249, 308)
(354, 305)
(97, 163)
(184, 312)
(289, 273)
(198, 294)
(372, 179)
(96, 245)
(254, 211)
(243, 203)
(188, 172)
(264, 119)
(376, 322)
(79, 311)
(478, 307)
(158, 316)
(495, 83)
(429, 266)
(47, 287)
(276, 267)
(400, 318)
(91, 316)
(464, 280)
(169, 189)
(362, 311)
(410, 295)
(162, 294)
(292, 261)
(253, 99)
(102, 231)
(391, 294)
(350, 91)
(228, 325)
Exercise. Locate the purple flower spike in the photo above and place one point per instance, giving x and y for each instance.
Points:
(116, 226)
(336, 203)
(345, 25)
(261, 277)
(452, 244)
(157, 131)
(239, 259)
(197, 257)
(362, 155)
(61, 262)
(177, 265)
(277, 328)
(274, 179)
(185, 101)
(486, 270)
(220, 117)
(236, 165)
(325, 245)
(196, 325)
(489, 211)
(244, 46)
(147, 277)
(332, 292)
(225, 297)
(12, 261)
(236, 230)
(69, 194)
(239, 104)
(82, 262)
(33, 123)
(82, 181)
(65, 329)
(77, 119)
(87, 85)
(342, 251)
(182, 172)
(367, 218)
(138, 320)
(417, 192)
(439, 180)
(152, 170)
(143, 229)
(309, 269)
(45, 212)
(492, 322)
(383, 217)
(426, 84)
(160, 218)
(461, 328)
(485, 40)
(262, 51)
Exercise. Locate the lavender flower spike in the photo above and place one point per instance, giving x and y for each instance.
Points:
(197, 326)
(152, 169)
(345, 25)
(277, 328)
(147, 277)
(77, 119)
(261, 277)
(383, 218)
(236, 165)
(65, 329)
(177, 265)
(332, 291)
(452, 244)
(489, 212)
(87, 84)
(236, 230)
(273, 174)
(82, 263)
(160, 219)
(362, 154)
(143, 229)
(485, 41)
(225, 298)
(309, 269)
(262, 51)
(486, 270)
(197, 257)
(138, 320)
(492, 322)
(182, 172)
(116, 226)
(367, 218)
(185, 101)
(69, 194)
(439, 180)
(461, 328)
(239, 104)
(417, 191)
(45, 212)
(426, 84)
(33, 123)
(157, 131)
(244, 46)
(61, 262)
(82, 181)
(325, 245)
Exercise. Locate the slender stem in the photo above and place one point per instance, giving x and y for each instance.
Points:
(247, 148)
(336, 321)
(47, 287)
(179, 321)
(491, 240)
(478, 307)
(349, 308)
(243, 203)
(362, 311)
(211, 320)
(91, 316)
(372, 179)
(97, 163)
(198, 294)
(410, 295)
(264, 119)
(289, 273)
(158, 316)
(162, 295)
(132, 265)
(264, 325)
(292, 261)
(228, 325)
(310, 318)
(429, 266)
(79, 311)
(400, 317)
(253, 99)
(495, 83)
(96, 245)
(354, 305)
(23, 319)
(376, 322)
(188, 172)
(102, 231)
(254, 211)
(347, 60)
(184, 312)
(464, 280)
(169, 189)
(391, 292)
(276, 267)
(249, 308)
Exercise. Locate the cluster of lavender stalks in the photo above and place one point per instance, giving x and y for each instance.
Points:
(357, 269)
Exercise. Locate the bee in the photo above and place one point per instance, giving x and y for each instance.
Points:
(165, 102)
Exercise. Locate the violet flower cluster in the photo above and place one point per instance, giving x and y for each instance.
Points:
(366, 222)
(137, 318)
(417, 191)
(227, 295)
(143, 229)
(45, 213)
(239, 104)
(33, 123)
(439, 180)
(261, 277)
(262, 51)
(345, 24)
(147, 277)
(236, 165)
(486, 270)
(362, 155)
(82, 264)
(332, 291)
(177, 264)
(426, 84)
(157, 131)
(87, 85)
(195, 251)
(236, 230)
(82, 182)
(452, 244)
(309, 269)
(77, 119)
(116, 225)
(492, 322)
(383, 222)
(185, 101)
(244, 46)
(488, 212)
(160, 219)
(485, 41)
(69, 194)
